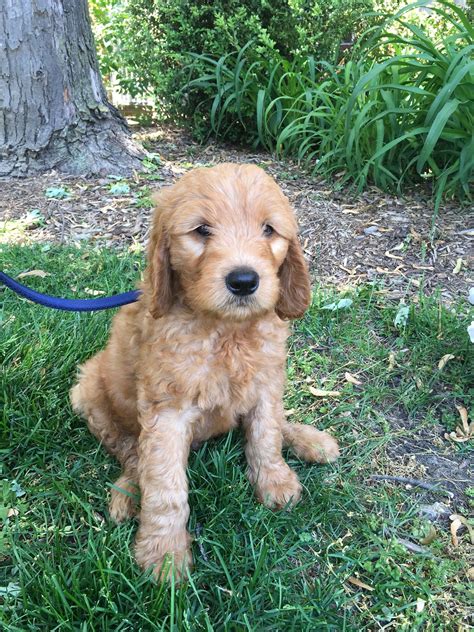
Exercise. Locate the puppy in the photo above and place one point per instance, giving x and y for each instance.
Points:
(201, 352)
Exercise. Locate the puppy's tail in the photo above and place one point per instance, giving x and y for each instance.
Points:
(310, 444)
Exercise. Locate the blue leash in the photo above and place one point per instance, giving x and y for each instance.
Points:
(70, 304)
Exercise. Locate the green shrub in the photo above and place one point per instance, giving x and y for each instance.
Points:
(400, 110)
(146, 42)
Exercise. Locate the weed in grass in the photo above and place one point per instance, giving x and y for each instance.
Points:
(65, 566)
(143, 199)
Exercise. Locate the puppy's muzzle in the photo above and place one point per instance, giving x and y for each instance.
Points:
(242, 281)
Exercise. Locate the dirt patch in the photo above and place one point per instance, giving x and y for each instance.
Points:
(422, 452)
(347, 240)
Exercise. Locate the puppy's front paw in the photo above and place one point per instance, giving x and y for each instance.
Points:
(175, 564)
(168, 557)
(279, 488)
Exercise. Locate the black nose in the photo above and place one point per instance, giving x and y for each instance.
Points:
(242, 281)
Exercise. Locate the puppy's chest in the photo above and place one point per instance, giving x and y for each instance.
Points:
(224, 369)
(226, 372)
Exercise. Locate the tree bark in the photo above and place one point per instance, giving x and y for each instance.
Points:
(54, 112)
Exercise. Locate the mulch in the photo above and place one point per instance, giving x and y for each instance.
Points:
(348, 240)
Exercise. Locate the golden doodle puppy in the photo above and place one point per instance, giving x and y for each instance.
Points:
(201, 352)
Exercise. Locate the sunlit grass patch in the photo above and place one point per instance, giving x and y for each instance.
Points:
(336, 562)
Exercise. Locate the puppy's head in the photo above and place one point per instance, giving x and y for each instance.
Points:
(224, 242)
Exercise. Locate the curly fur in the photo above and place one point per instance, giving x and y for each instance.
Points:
(190, 361)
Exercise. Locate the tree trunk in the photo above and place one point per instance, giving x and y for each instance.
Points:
(54, 112)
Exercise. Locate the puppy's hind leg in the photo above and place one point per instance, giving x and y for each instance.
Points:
(310, 444)
(89, 399)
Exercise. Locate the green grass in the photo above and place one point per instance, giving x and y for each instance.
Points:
(65, 566)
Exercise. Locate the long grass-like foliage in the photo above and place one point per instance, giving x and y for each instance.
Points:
(398, 111)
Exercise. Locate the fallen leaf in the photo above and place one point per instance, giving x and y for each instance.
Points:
(463, 433)
(351, 379)
(317, 392)
(34, 273)
(416, 236)
(430, 536)
(391, 361)
(397, 270)
(457, 437)
(357, 582)
(399, 246)
(371, 230)
(88, 290)
(224, 590)
(57, 193)
(456, 524)
(470, 331)
(417, 267)
(390, 256)
(401, 317)
(415, 548)
(457, 518)
(444, 360)
(12, 512)
(457, 268)
(107, 208)
(290, 412)
(349, 271)
(98, 518)
(420, 604)
(344, 303)
(470, 573)
(17, 489)
(10, 589)
(119, 188)
(463, 415)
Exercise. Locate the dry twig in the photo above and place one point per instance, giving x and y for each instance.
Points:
(412, 481)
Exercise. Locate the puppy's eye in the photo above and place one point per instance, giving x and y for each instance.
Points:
(268, 230)
(203, 230)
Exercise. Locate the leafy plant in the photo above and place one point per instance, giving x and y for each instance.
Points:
(119, 188)
(146, 42)
(398, 111)
(57, 193)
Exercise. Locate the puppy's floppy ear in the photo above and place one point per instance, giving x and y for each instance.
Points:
(159, 274)
(295, 287)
